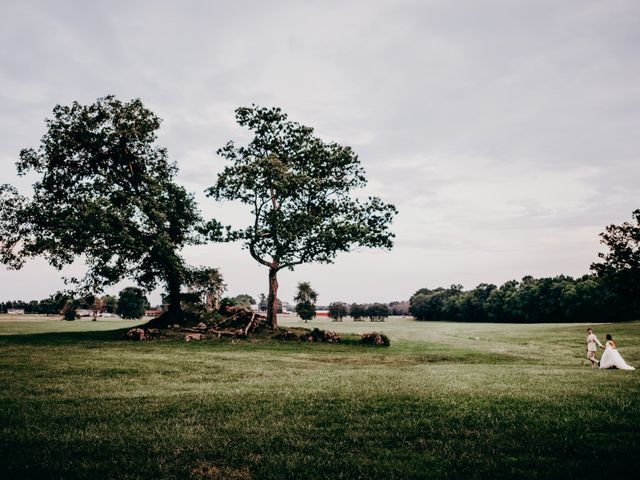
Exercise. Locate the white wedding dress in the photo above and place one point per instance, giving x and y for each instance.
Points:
(612, 359)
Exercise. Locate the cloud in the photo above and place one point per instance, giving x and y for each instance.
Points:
(505, 132)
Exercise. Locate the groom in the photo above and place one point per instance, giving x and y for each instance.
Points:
(592, 341)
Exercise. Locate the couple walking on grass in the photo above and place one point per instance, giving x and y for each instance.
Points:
(611, 358)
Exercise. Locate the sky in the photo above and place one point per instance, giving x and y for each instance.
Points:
(505, 132)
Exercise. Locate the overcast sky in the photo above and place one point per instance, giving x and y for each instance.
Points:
(505, 132)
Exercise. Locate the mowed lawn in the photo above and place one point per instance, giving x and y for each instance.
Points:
(446, 400)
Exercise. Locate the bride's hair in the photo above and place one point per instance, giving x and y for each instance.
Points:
(608, 337)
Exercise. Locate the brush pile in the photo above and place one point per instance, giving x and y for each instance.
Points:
(141, 334)
(235, 322)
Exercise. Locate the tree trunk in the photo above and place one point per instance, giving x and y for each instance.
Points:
(272, 301)
(175, 309)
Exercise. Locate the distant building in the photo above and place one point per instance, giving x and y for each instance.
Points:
(15, 311)
(84, 312)
(153, 312)
(322, 313)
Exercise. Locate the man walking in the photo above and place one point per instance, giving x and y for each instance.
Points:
(592, 347)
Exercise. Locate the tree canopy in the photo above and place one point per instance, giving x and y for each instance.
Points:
(305, 299)
(338, 310)
(619, 269)
(300, 192)
(131, 302)
(104, 193)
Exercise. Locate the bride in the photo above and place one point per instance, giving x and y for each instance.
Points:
(611, 358)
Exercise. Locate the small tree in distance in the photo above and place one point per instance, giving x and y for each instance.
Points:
(69, 310)
(97, 306)
(244, 300)
(338, 310)
(357, 311)
(131, 302)
(110, 303)
(377, 312)
(306, 301)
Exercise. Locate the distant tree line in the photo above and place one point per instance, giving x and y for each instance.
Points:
(362, 311)
(531, 300)
(610, 293)
(131, 302)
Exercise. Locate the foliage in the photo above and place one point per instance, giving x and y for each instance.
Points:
(206, 286)
(619, 269)
(97, 306)
(244, 300)
(69, 310)
(131, 302)
(338, 310)
(110, 303)
(305, 299)
(357, 311)
(106, 192)
(377, 311)
(399, 308)
(299, 189)
(227, 302)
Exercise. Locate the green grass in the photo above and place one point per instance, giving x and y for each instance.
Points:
(445, 401)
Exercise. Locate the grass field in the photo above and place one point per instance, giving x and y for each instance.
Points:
(445, 401)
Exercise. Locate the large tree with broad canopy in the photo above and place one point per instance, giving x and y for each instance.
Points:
(300, 192)
(104, 193)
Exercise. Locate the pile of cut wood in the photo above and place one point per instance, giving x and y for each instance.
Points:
(236, 322)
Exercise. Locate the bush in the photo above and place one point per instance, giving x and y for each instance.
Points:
(69, 310)
(375, 339)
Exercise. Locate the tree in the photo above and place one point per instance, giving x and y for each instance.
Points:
(619, 269)
(244, 300)
(299, 190)
(105, 192)
(399, 308)
(357, 311)
(208, 285)
(338, 310)
(377, 312)
(110, 303)
(97, 307)
(262, 304)
(131, 302)
(306, 301)
(69, 310)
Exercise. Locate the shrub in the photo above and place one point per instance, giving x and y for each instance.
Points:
(69, 311)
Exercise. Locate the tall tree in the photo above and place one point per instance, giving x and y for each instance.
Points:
(106, 193)
(305, 299)
(299, 189)
(619, 269)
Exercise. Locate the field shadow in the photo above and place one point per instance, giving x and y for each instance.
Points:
(64, 338)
